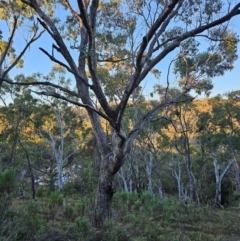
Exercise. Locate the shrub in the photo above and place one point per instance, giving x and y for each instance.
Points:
(113, 232)
(7, 180)
(82, 224)
(68, 211)
(54, 202)
(40, 192)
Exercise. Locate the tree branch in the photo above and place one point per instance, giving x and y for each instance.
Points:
(147, 117)
(33, 39)
(46, 83)
(65, 66)
(54, 33)
(74, 13)
(88, 107)
(9, 42)
(235, 11)
(153, 30)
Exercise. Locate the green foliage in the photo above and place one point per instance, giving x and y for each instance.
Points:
(82, 225)
(41, 192)
(82, 206)
(7, 180)
(113, 233)
(33, 222)
(54, 202)
(68, 211)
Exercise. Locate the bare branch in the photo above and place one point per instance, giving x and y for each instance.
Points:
(33, 39)
(74, 13)
(235, 11)
(64, 65)
(9, 42)
(146, 39)
(88, 107)
(53, 31)
(162, 29)
(46, 83)
(216, 39)
(111, 60)
(147, 117)
(84, 18)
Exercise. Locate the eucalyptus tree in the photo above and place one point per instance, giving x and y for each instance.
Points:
(225, 126)
(219, 130)
(136, 35)
(57, 123)
(183, 123)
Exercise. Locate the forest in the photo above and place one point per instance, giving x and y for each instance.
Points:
(86, 153)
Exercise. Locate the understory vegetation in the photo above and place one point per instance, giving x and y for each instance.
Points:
(134, 217)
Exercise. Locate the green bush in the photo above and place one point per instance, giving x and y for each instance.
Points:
(33, 222)
(7, 185)
(68, 211)
(7, 181)
(113, 232)
(81, 207)
(82, 225)
(40, 192)
(54, 202)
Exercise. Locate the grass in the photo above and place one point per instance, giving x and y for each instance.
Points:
(136, 219)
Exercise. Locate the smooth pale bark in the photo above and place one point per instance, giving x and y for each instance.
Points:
(57, 145)
(177, 173)
(219, 176)
(237, 172)
(190, 177)
(148, 169)
(123, 177)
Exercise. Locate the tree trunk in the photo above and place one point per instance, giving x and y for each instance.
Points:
(237, 172)
(122, 175)
(103, 201)
(148, 169)
(219, 177)
(190, 176)
(111, 162)
(218, 197)
(60, 175)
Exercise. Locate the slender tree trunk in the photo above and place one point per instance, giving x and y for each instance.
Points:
(149, 166)
(160, 189)
(179, 182)
(219, 177)
(177, 174)
(237, 172)
(30, 170)
(218, 197)
(190, 176)
(60, 175)
(122, 175)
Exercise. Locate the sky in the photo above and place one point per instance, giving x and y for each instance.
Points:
(37, 61)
